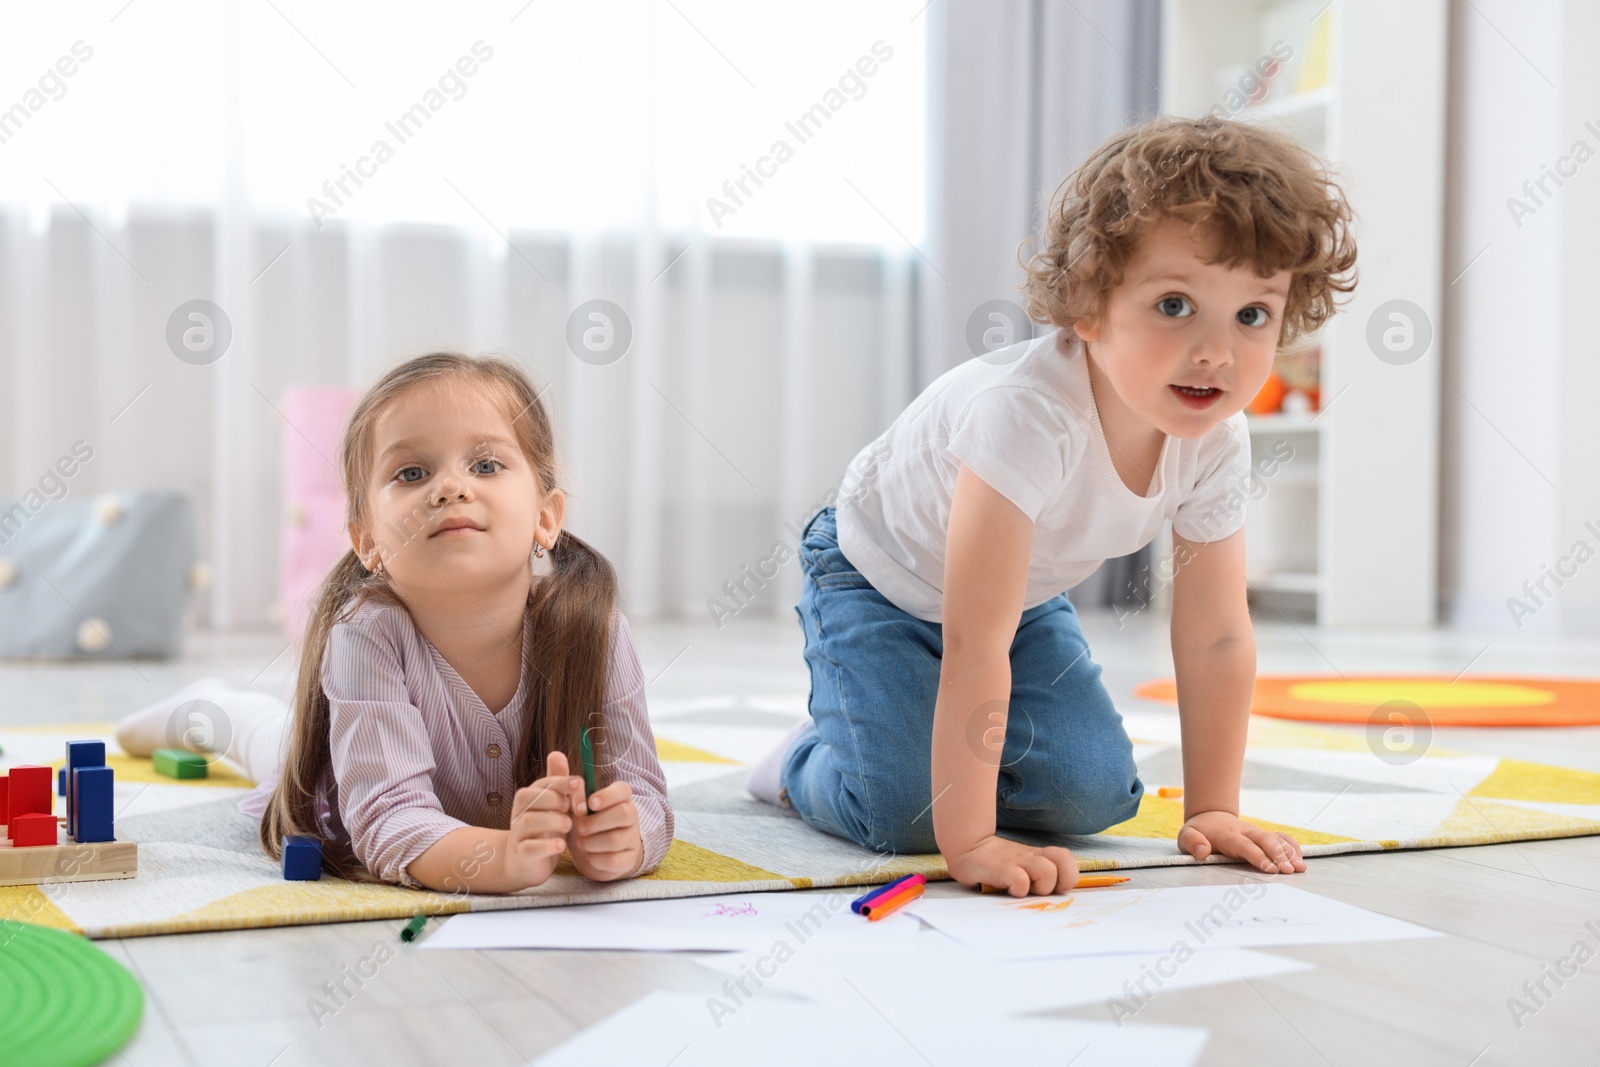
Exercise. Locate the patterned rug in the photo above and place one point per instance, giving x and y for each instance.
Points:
(1415, 699)
(200, 867)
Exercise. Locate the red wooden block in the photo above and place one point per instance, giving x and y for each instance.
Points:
(5, 806)
(31, 793)
(35, 829)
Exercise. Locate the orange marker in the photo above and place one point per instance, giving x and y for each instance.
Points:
(1097, 881)
(1170, 792)
(1088, 881)
(908, 891)
(879, 908)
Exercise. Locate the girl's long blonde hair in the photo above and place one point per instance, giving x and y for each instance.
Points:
(569, 609)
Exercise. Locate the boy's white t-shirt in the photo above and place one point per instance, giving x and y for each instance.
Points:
(1023, 419)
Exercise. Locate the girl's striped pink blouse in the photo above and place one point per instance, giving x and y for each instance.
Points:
(417, 754)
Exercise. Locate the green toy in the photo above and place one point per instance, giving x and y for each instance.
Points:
(179, 763)
(65, 1002)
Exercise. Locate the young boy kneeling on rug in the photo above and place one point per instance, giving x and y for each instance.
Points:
(453, 662)
(952, 693)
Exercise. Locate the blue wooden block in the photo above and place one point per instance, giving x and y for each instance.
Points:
(89, 792)
(302, 859)
(61, 782)
(79, 754)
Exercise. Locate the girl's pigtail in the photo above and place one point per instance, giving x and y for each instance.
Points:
(569, 620)
(308, 761)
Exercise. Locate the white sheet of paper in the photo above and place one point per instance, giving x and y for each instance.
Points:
(748, 921)
(1156, 920)
(935, 970)
(690, 1030)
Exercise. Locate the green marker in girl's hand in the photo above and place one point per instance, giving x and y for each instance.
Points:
(586, 749)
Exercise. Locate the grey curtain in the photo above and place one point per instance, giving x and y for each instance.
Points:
(1019, 92)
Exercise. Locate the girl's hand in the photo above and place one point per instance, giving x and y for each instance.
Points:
(1225, 832)
(607, 844)
(1017, 868)
(539, 824)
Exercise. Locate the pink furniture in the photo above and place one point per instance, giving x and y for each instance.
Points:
(314, 535)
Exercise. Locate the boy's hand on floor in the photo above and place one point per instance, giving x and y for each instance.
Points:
(1014, 867)
(607, 844)
(1225, 832)
(540, 821)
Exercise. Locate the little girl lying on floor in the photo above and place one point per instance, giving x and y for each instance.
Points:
(450, 668)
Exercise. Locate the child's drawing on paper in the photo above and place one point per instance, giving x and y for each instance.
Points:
(742, 908)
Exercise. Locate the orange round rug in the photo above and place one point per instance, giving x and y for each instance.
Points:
(1484, 701)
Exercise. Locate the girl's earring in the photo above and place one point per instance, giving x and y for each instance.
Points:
(377, 566)
(538, 549)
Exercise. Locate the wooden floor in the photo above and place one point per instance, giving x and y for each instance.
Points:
(1511, 911)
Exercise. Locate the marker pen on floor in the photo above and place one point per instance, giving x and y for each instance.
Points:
(1091, 881)
(878, 909)
(898, 883)
(886, 902)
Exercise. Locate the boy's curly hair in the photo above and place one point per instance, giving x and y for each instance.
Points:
(1267, 200)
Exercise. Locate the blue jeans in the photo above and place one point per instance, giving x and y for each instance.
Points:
(864, 773)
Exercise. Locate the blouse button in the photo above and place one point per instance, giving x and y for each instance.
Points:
(494, 798)
(494, 751)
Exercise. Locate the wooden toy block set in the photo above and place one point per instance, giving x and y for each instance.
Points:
(39, 846)
(81, 846)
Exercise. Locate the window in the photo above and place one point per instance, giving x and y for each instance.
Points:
(755, 120)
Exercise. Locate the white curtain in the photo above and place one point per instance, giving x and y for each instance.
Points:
(577, 162)
(177, 163)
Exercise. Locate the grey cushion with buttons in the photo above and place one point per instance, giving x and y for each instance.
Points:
(95, 577)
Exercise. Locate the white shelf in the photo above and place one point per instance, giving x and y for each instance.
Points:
(1307, 116)
(1288, 582)
(1378, 121)
(1292, 105)
(1283, 423)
